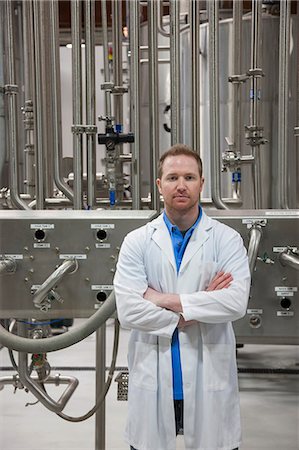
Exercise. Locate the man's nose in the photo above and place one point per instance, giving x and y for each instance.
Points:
(181, 184)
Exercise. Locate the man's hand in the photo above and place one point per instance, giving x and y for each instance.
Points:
(221, 281)
(185, 323)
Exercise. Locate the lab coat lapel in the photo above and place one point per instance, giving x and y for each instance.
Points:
(162, 238)
(199, 237)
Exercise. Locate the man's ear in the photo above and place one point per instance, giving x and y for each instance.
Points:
(158, 183)
(202, 183)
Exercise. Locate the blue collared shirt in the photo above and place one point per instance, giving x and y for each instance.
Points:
(179, 242)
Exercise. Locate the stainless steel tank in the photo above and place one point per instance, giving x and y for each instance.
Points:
(269, 104)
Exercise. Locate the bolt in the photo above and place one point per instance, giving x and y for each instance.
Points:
(31, 257)
(87, 249)
(26, 279)
(87, 279)
(26, 249)
(57, 249)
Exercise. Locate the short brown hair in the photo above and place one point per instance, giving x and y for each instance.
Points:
(179, 149)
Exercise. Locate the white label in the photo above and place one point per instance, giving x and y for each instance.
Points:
(285, 313)
(283, 294)
(282, 249)
(42, 245)
(103, 245)
(34, 287)
(252, 221)
(282, 213)
(286, 289)
(102, 287)
(102, 226)
(72, 256)
(11, 256)
(44, 226)
(254, 311)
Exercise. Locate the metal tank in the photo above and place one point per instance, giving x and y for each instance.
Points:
(269, 48)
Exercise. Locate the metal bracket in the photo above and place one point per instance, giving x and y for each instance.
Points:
(254, 135)
(238, 78)
(296, 131)
(91, 129)
(78, 129)
(255, 73)
(119, 90)
(11, 89)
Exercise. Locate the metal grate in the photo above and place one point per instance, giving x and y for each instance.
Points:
(122, 380)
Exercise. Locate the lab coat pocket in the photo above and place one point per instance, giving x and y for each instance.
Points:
(216, 366)
(143, 372)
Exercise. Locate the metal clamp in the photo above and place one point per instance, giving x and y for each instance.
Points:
(91, 129)
(78, 129)
(296, 131)
(11, 89)
(238, 78)
(254, 135)
(255, 73)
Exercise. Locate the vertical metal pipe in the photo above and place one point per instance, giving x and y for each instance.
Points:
(154, 99)
(105, 57)
(213, 12)
(284, 44)
(117, 59)
(195, 75)
(56, 101)
(237, 67)
(135, 100)
(90, 100)
(255, 97)
(100, 435)
(11, 92)
(38, 108)
(28, 98)
(46, 111)
(77, 100)
(175, 101)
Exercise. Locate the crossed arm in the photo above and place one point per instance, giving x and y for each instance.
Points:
(172, 302)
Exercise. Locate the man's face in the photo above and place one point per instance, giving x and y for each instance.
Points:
(180, 183)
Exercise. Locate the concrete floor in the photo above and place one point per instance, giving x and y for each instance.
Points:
(269, 402)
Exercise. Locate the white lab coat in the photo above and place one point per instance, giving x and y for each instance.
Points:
(208, 353)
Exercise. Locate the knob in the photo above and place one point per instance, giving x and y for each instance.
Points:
(101, 296)
(255, 321)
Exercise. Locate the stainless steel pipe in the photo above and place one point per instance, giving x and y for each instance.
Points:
(69, 265)
(28, 98)
(117, 59)
(213, 13)
(38, 109)
(7, 266)
(108, 112)
(135, 100)
(91, 133)
(77, 101)
(283, 99)
(37, 390)
(195, 74)
(175, 101)
(255, 98)
(255, 235)
(11, 90)
(154, 100)
(289, 258)
(56, 101)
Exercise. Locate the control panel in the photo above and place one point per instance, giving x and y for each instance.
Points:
(273, 308)
(60, 264)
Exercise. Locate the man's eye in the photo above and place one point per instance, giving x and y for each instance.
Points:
(172, 178)
(189, 177)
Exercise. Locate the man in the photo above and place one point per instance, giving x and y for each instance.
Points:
(180, 282)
